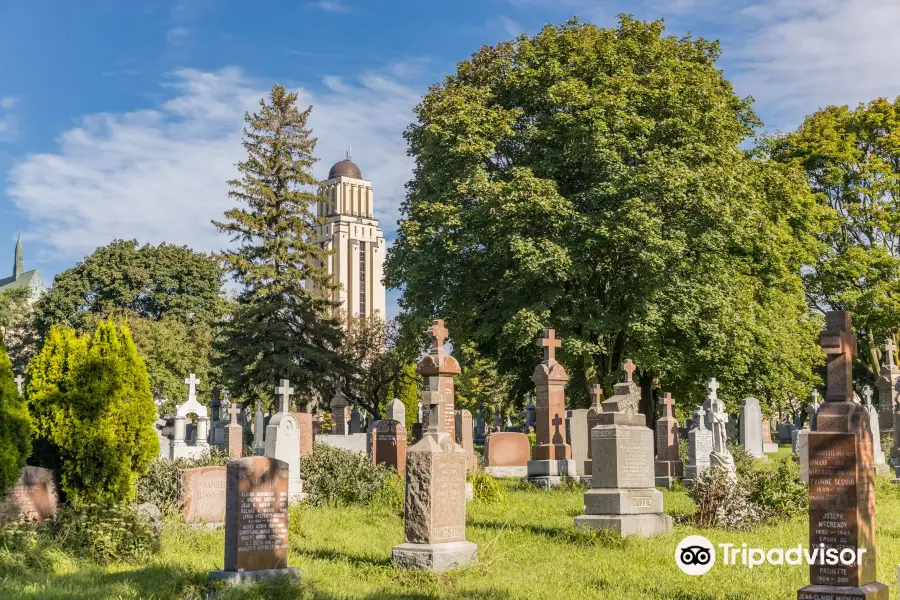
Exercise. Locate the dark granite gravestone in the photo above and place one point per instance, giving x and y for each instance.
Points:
(34, 497)
(841, 478)
(256, 520)
(387, 445)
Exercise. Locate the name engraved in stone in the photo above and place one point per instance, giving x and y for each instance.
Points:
(641, 502)
(542, 398)
(448, 498)
(262, 524)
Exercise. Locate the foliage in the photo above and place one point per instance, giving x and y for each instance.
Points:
(593, 180)
(93, 412)
(162, 484)
(282, 324)
(852, 163)
(389, 499)
(480, 386)
(684, 452)
(17, 326)
(104, 533)
(406, 387)
(486, 488)
(743, 460)
(337, 476)
(722, 502)
(15, 426)
(779, 494)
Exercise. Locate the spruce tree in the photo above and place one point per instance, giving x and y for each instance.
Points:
(15, 426)
(283, 324)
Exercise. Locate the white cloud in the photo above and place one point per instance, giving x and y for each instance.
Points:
(7, 118)
(159, 174)
(176, 35)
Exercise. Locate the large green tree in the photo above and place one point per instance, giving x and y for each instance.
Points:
(593, 180)
(851, 158)
(17, 326)
(93, 412)
(282, 324)
(15, 426)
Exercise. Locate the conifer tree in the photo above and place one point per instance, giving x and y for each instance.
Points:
(15, 426)
(94, 412)
(283, 324)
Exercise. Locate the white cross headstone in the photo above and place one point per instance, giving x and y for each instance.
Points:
(285, 390)
(712, 386)
(867, 392)
(19, 381)
(192, 383)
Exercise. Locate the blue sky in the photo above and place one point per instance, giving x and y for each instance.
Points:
(122, 119)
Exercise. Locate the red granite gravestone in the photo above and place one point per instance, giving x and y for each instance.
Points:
(203, 495)
(668, 466)
(256, 520)
(34, 497)
(437, 369)
(234, 434)
(507, 449)
(387, 445)
(305, 427)
(841, 479)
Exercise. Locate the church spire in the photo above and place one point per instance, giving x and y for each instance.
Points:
(19, 267)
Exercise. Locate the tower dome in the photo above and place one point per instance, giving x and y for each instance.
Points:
(345, 168)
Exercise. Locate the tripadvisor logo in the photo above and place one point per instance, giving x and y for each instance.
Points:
(696, 555)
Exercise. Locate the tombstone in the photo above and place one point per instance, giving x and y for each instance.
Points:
(396, 411)
(355, 420)
(841, 477)
(700, 445)
(881, 465)
(305, 427)
(259, 428)
(20, 381)
(179, 447)
(668, 466)
(506, 454)
(234, 434)
(803, 437)
(577, 436)
(593, 419)
(784, 432)
(530, 413)
(720, 456)
(751, 428)
(623, 495)
(551, 457)
(768, 446)
(887, 383)
(339, 414)
(733, 433)
(387, 444)
(712, 397)
(417, 432)
(479, 427)
(203, 495)
(281, 440)
(34, 497)
(435, 498)
(256, 521)
(463, 425)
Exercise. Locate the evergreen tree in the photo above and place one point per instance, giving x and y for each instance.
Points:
(94, 412)
(15, 426)
(283, 323)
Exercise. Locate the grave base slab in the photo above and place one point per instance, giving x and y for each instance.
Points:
(434, 557)
(870, 591)
(245, 577)
(770, 448)
(551, 468)
(641, 525)
(547, 482)
(666, 482)
(507, 471)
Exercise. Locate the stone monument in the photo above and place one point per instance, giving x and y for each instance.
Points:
(720, 456)
(281, 440)
(396, 411)
(881, 465)
(339, 412)
(435, 503)
(551, 457)
(506, 454)
(751, 428)
(887, 386)
(480, 433)
(20, 381)
(256, 521)
(234, 434)
(179, 446)
(577, 436)
(203, 495)
(803, 437)
(593, 419)
(387, 444)
(623, 495)
(668, 464)
(259, 430)
(700, 446)
(841, 478)
(33, 498)
(768, 445)
(463, 420)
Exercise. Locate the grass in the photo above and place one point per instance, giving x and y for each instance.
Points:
(527, 549)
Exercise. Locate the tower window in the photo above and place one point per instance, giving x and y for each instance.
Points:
(362, 279)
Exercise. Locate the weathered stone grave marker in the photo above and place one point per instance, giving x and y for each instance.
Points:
(700, 445)
(751, 428)
(387, 444)
(506, 454)
(463, 428)
(203, 495)
(33, 498)
(668, 464)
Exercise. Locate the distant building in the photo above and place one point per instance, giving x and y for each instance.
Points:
(352, 232)
(22, 278)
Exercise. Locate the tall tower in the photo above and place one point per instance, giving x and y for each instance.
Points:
(19, 266)
(352, 232)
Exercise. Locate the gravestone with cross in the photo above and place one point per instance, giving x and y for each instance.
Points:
(623, 495)
(234, 433)
(435, 497)
(339, 414)
(551, 457)
(700, 446)
(438, 369)
(668, 465)
(282, 439)
(593, 419)
(886, 385)
(712, 397)
(180, 446)
(20, 381)
(881, 465)
(841, 478)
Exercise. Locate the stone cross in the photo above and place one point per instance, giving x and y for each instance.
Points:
(668, 404)
(549, 343)
(438, 335)
(713, 386)
(839, 345)
(815, 396)
(889, 348)
(233, 410)
(285, 390)
(192, 382)
(867, 392)
(629, 369)
(596, 395)
(19, 381)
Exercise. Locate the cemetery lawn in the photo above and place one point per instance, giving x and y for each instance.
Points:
(527, 549)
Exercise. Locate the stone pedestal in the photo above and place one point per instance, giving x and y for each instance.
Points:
(577, 436)
(551, 457)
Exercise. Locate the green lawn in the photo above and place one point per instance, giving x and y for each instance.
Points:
(527, 549)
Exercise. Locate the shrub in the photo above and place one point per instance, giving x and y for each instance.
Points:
(336, 476)
(721, 501)
(15, 426)
(779, 494)
(887, 442)
(104, 533)
(744, 463)
(684, 453)
(162, 484)
(486, 488)
(389, 499)
(93, 410)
